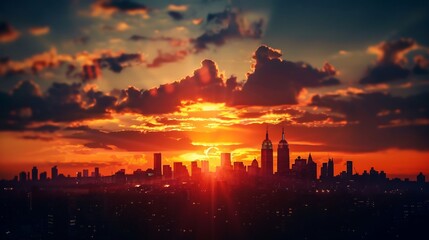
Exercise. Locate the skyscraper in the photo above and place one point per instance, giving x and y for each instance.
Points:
(331, 168)
(97, 172)
(34, 174)
(225, 160)
(54, 172)
(85, 173)
(349, 168)
(283, 160)
(311, 168)
(267, 156)
(167, 172)
(157, 163)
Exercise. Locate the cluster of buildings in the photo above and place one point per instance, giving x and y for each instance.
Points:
(301, 169)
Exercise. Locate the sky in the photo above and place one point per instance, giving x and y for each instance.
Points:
(108, 83)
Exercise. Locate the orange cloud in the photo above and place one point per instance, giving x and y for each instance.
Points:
(38, 31)
(8, 33)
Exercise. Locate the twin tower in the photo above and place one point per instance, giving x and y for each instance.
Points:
(282, 156)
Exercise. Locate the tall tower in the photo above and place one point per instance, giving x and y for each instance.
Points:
(283, 160)
(331, 168)
(157, 162)
(267, 156)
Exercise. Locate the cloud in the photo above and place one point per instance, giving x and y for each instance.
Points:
(39, 31)
(226, 25)
(84, 65)
(108, 8)
(377, 109)
(61, 103)
(162, 58)
(206, 83)
(175, 15)
(178, 8)
(134, 140)
(391, 64)
(275, 81)
(8, 33)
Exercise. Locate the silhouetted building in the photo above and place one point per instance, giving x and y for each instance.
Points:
(195, 170)
(97, 172)
(283, 160)
(157, 163)
(225, 161)
(120, 177)
(239, 167)
(324, 171)
(22, 176)
(43, 176)
(331, 168)
(311, 168)
(85, 173)
(253, 169)
(167, 172)
(421, 178)
(79, 175)
(205, 168)
(267, 156)
(54, 172)
(349, 168)
(179, 170)
(34, 174)
(299, 167)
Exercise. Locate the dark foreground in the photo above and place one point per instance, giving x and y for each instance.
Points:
(212, 209)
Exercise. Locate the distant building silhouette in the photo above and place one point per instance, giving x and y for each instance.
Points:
(167, 172)
(239, 168)
(267, 156)
(331, 168)
(324, 171)
(283, 160)
(22, 176)
(253, 169)
(85, 173)
(195, 170)
(349, 168)
(225, 161)
(311, 168)
(299, 167)
(180, 170)
(34, 174)
(43, 176)
(96, 172)
(54, 172)
(157, 163)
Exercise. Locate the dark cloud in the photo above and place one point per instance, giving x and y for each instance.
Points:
(377, 109)
(225, 25)
(117, 63)
(7, 33)
(61, 103)
(206, 83)
(275, 81)
(175, 15)
(391, 62)
(162, 58)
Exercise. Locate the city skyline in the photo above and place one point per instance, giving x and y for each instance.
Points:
(301, 168)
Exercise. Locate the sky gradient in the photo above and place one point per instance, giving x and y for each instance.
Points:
(108, 83)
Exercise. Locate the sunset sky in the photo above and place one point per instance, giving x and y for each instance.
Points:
(108, 83)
